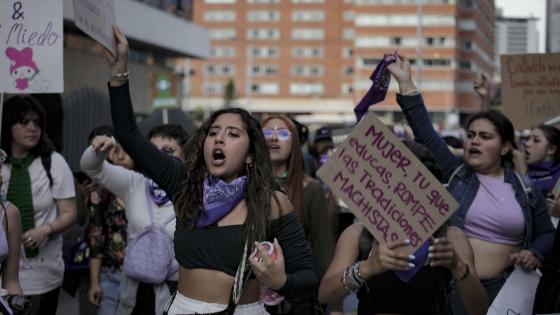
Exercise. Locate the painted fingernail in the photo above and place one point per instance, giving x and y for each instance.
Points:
(407, 241)
(436, 240)
(431, 248)
(411, 265)
(411, 257)
(430, 255)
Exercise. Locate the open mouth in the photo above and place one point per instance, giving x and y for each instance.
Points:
(474, 152)
(218, 157)
(274, 147)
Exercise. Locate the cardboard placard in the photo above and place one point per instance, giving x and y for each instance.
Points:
(530, 88)
(96, 18)
(31, 46)
(388, 189)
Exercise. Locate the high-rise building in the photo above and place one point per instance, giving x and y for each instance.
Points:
(316, 56)
(516, 35)
(553, 25)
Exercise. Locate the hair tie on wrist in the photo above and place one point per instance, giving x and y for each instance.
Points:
(467, 272)
(120, 76)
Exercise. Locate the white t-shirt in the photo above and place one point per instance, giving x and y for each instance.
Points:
(43, 273)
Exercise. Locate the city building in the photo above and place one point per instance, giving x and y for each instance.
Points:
(553, 25)
(313, 58)
(515, 35)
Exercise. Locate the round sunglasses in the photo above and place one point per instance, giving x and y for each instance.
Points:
(281, 133)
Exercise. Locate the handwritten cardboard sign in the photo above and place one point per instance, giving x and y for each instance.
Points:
(31, 46)
(96, 18)
(392, 193)
(530, 88)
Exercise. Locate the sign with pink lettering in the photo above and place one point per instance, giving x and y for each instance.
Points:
(96, 18)
(31, 46)
(530, 88)
(388, 189)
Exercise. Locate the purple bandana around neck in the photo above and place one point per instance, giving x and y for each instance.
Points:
(158, 195)
(421, 255)
(544, 174)
(381, 79)
(220, 198)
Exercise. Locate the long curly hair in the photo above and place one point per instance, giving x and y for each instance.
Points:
(294, 183)
(261, 185)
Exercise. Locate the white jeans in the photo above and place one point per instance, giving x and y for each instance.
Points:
(183, 305)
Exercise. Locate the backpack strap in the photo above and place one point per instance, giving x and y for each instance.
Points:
(524, 181)
(46, 160)
(151, 209)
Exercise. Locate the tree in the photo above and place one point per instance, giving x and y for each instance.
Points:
(229, 94)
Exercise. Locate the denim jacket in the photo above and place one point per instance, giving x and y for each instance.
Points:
(539, 231)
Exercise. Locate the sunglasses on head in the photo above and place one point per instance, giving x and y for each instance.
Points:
(282, 133)
(168, 150)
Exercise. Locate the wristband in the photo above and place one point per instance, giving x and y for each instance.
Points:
(121, 76)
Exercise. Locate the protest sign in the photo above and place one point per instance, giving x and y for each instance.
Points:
(530, 88)
(517, 295)
(31, 46)
(96, 18)
(392, 193)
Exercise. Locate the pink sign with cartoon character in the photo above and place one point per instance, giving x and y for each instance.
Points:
(31, 39)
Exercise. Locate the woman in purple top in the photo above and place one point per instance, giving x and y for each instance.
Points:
(504, 215)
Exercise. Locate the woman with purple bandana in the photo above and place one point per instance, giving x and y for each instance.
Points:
(542, 154)
(227, 201)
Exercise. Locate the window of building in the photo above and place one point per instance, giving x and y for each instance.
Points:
(347, 70)
(404, 20)
(264, 70)
(221, 33)
(263, 1)
(220, 69)
(347, 52)
(306, 88)
(308, 34)
(396, 41)
(465, 65)
(308, 1)
(437, 62)
(263, 16)
(347, 89)
(307, 70)
(349, 15)
(213, 88)
(468, 45)
(308, 15)
(265, 88)
(219, 1)
(308, 52)
(223, 51)
(219, 16)
(263, 33)
(263, 52)
(348, 33)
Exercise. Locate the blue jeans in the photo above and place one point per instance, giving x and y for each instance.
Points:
(492, 287)
(110, 280)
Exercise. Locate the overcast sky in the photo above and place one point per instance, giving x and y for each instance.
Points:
(524, 8)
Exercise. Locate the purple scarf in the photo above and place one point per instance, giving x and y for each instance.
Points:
(381, 79)
(220, 198)
(544, 174)
(158, 195)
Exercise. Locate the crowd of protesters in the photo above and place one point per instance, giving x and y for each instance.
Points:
(233, 220)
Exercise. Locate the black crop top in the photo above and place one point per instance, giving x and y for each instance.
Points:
(218, 248)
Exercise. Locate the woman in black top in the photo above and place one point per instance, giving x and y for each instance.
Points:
(226, 200)
(362, 265)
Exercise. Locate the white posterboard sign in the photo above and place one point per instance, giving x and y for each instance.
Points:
(96, 18)
(31, 41)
